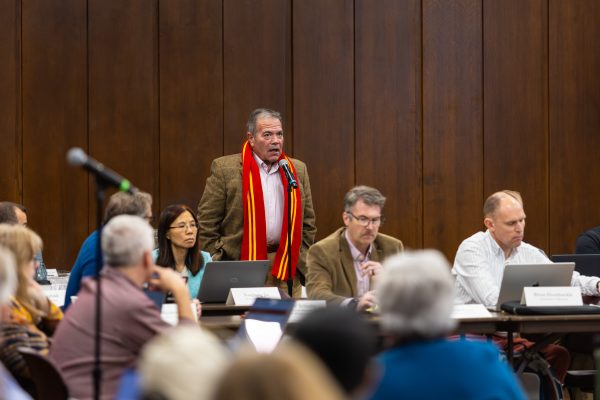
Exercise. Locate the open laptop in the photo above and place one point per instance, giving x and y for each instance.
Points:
(518, 276)
(585, 264)
(220, 276)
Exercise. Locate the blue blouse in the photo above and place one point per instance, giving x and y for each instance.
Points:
(193, 281)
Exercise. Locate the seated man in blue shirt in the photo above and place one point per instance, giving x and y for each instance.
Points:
(139, 204)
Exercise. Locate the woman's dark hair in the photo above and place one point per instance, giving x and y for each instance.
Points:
(194, 260)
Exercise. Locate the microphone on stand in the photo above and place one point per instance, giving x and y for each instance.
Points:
(285, 166)
(76, 157)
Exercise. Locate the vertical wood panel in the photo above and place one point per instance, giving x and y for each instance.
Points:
(388, 110)
(574, 65)
(191, 97)
(452, 124)
(10, 100)
(54, 119)
(323, 85)
(257, 67)
(123, 90)
(515, 107)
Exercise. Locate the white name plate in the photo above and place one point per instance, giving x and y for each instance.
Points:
(246, 296)
(56, 296)
(52, 273)
(552, 296)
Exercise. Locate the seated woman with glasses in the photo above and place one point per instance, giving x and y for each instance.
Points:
(178, 246)
(29, 317)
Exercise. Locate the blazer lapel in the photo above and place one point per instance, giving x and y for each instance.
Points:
(347, 262)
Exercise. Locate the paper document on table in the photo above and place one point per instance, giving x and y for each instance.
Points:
(263, 335)
(470, 311)
(170, 314)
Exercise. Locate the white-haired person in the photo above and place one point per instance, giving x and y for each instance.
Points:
(129, 317)
(30, 317)
(415, 295)
(9, 389)
(184, 363)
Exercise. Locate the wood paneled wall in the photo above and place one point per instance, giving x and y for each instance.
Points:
(436, 103)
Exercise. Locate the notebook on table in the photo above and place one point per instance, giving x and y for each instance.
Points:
(518, 276)
(220, 276)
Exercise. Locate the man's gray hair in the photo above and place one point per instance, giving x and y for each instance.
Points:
(370, 196)
(131, 204)
(8, 275)
(415, 294)
(171, 367)
(261, 113)
(125, 239)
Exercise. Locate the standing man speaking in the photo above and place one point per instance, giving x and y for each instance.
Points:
(243, 210)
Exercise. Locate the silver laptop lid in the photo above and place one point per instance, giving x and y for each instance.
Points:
(220, 276)
(518, 276)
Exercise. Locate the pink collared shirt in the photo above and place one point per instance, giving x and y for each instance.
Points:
(363, 282)
(272, 189)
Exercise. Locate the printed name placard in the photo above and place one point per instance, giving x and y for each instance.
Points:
(52, 273)
(246, 296)
(551, 296)
(56, 296)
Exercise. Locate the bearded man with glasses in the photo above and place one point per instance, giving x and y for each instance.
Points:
(342, 267)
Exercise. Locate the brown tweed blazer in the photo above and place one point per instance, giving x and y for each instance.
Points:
(331, 275)
(221, 212)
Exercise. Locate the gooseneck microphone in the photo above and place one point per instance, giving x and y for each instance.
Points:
(285, 166)
(76, 157)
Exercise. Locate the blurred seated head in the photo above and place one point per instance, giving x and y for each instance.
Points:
(8, 275)
(291, 372)
(13, 213)
(183, 363)
(343, 340)
(24, 245)
(126, 240)
(120, 203)
(415, 294)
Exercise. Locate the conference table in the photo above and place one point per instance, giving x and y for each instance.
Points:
(215, 316)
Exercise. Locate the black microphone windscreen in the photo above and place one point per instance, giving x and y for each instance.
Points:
(76, 157)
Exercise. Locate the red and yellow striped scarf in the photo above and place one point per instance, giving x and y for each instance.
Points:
(254, 241)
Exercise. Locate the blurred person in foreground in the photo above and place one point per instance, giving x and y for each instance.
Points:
(9, 389)
(415, 295)
(185, 362)
(179, 247)
(345, 342)
(129, 317)
(30, 316)
(291, 372)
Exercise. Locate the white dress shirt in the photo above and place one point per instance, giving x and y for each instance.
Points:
(272, 189)
(479, 266)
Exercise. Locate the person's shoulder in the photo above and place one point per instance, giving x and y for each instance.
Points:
(475, 240)
(297, 163)
(386, 240)
(331, 240)
(228, 159)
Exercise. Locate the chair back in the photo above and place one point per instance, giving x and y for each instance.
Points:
(48, 381)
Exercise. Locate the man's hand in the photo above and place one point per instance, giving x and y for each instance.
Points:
(166, 280)
(371, 268)
(366, 301)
